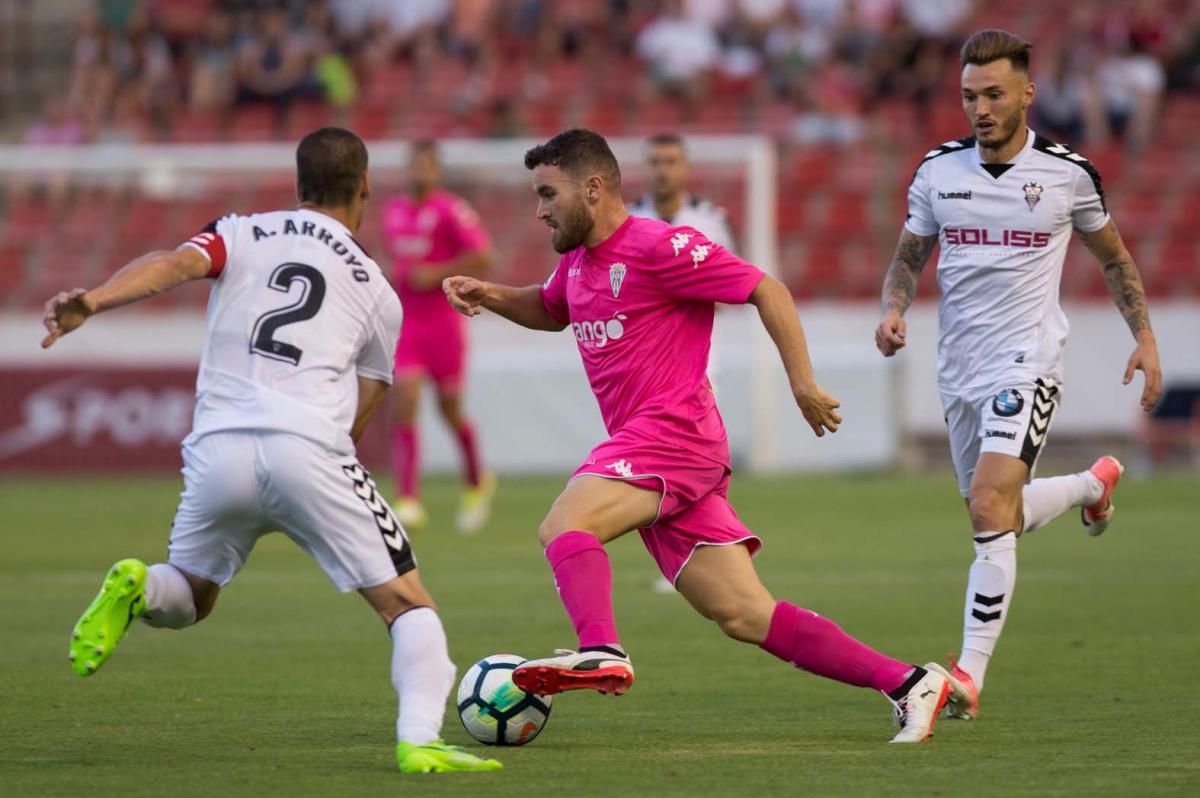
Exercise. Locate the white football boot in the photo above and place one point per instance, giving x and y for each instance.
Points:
(917, 711)
(604, 671)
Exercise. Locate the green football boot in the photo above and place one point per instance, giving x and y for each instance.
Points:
(438, 757)
(121, 599)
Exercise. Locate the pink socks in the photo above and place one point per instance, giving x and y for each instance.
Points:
(470, 455)
(405, 456)
(584, 580)
(818, 645)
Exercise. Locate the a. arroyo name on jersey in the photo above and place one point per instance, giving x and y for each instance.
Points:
(1004, 231)
(298, 312)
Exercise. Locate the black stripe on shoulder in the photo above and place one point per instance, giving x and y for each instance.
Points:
(958, 145)
(1043, 144)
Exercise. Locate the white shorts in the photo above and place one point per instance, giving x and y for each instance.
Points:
(1012, 419)
(241, 485)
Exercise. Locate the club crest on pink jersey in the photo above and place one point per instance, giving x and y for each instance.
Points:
(1033, 194)
(616, 276)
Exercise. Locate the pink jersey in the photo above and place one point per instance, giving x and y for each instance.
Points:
(641, 307)
(434, 230)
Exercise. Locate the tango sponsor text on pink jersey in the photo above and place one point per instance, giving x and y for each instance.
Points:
(641, 307)
(434, 230)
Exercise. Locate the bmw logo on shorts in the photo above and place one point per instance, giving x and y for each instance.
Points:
(1008, 402)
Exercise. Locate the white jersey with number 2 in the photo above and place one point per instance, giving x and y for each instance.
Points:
(298, 312)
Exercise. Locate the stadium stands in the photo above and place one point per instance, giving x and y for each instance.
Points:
(841, 192)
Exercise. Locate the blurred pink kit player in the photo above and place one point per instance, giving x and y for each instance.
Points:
(432, 233)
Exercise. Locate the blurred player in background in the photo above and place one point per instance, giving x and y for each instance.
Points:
(669, 200)
(1003, 203)
(302, 329)
(632, 289)
(432, 234)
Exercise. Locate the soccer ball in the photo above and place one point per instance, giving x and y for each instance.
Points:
(494, 710)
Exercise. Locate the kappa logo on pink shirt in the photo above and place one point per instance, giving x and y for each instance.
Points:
(679, 241)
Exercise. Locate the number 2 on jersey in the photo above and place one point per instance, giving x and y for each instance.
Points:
(262, 339)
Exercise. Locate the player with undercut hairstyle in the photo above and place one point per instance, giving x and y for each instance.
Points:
(1003, 203)
(639, 296)
(301, 334)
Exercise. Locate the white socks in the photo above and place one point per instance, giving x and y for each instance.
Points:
(169, 601)
(1047, 499)
(422, 674)
(989, 591)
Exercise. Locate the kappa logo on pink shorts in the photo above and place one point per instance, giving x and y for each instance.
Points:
(622, 467)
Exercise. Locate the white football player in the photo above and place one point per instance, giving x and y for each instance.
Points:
(1003, 204)
(302, 327)
(668, 198)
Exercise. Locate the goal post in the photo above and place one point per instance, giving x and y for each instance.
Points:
(543, 433)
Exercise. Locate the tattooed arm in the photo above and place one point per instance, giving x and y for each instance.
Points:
(1125, 286)
(899, 287)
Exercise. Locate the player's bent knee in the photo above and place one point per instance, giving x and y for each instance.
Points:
(741, 621)
(550, 528)
(990, 508)
(397, 596)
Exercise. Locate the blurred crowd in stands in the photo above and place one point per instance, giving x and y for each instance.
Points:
(139, 68)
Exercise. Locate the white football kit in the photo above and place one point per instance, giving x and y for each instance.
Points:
(1003, 231)
(298, 313)
(693, 212)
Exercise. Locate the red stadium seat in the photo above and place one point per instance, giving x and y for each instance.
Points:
(14, 270)
(28, 219)
(259, 122)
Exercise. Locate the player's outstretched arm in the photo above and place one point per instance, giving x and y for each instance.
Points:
(520, 305)
(899, 288)
(778, 314)
(140, 279)
(1125, 287)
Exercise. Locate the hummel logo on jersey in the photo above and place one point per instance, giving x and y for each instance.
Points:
(699, 253)
(622, 467)
(616, 276)
(963, 195)
(679, 241)
(1033, 194)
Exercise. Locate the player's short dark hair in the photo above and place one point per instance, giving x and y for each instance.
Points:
(992, 44)
(330, 164)
(578, 152)
(663, 139)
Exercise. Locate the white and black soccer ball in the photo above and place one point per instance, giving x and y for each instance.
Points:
(494, 710)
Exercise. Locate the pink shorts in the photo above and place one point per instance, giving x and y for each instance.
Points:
(694, 509)
(435, 346)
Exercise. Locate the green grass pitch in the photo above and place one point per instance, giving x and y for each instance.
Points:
(285, 690)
